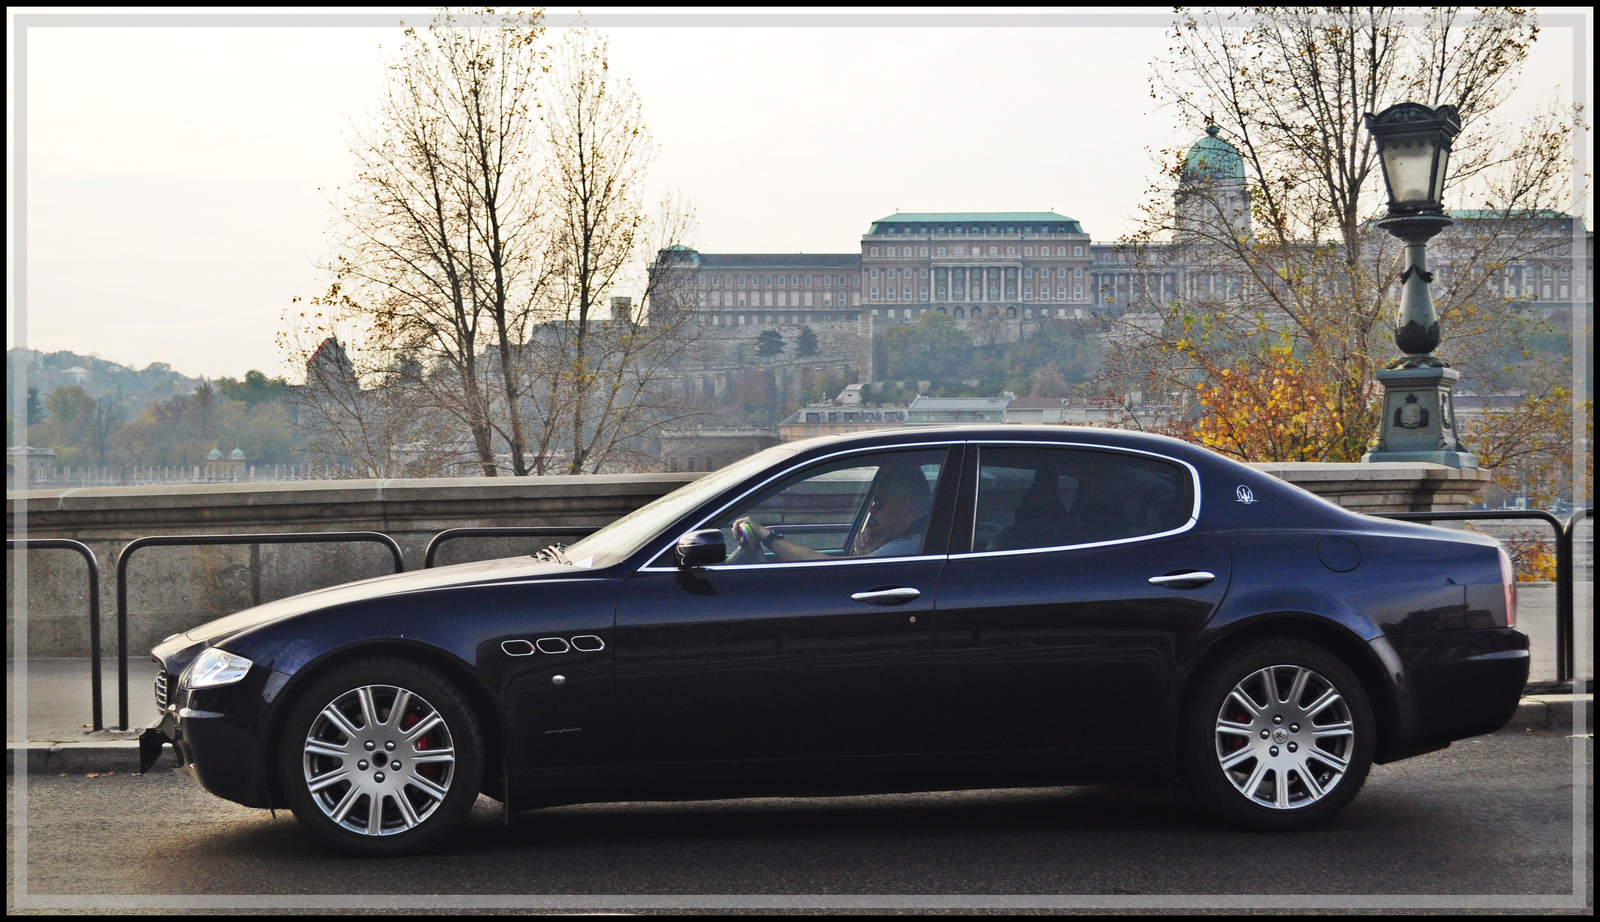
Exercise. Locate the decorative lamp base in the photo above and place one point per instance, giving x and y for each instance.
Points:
(1419, 418)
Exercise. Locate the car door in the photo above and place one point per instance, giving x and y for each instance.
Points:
(767, 658)
(1065, 604)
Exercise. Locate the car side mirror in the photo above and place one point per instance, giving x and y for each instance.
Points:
(702, 548)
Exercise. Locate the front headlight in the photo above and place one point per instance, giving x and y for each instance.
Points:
(213, 668)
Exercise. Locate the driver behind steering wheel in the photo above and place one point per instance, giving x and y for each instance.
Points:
(897, 518)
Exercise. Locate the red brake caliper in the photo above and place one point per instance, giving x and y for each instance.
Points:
(423, 742)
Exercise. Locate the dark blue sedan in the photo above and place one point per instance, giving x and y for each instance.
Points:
(912, 610)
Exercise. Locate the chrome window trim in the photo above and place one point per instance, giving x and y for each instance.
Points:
(977, 470)
(790, 564)
(780, 475)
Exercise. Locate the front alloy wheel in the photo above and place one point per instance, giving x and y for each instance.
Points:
(379, 760)
(386, 758)
(1278, 736)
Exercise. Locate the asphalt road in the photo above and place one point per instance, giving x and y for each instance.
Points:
(1489, 816)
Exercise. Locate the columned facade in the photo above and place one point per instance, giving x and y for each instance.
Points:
(1012, 265)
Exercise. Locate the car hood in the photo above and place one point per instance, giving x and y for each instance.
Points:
(511, 569)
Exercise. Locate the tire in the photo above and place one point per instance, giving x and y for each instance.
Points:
(1265, 753)
(343, 737)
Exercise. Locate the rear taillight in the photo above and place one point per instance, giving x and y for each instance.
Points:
(1508, 578)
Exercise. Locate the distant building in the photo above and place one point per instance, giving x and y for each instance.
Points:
(35, 461)
(837, 419)
(1005, 271)
(937, 411)
(756, 290)
(1032, 265)
(708, 449)
(1067, 411)
(968, 265)
(229, 467)
(1471, 408)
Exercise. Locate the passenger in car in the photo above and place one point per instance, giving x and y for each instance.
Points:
(896, 521)
(1040, 519)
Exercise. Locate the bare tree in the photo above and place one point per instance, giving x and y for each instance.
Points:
(362, 409)
(602, 373)
(441, 229)
(1287, 276)
(499, 204)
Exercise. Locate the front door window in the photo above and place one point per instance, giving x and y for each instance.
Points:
(876, 505)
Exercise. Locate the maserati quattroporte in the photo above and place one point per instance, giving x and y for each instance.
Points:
(904, 610)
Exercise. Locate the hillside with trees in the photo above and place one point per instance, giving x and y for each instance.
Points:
(93, 413)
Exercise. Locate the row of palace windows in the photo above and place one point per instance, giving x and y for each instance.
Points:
(903, 292)
(1061, 273)
(855, 416)
(1529, 289)
(745, 281)
(977, 313)
(739, 320)
(778, 299)
(948, 229)
(961, 250)
(690, 462)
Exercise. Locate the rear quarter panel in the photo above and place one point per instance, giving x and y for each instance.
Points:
(1426, 603)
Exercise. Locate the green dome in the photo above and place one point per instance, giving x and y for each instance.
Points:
(1212, 158)
(237, 455)
(216, 454)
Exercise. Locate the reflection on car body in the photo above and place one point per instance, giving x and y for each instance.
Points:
(928, 609)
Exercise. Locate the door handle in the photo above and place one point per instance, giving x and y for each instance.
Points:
(887, 596)
(1198, 577)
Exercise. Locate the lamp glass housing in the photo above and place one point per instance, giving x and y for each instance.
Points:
(1414, 166)
(1414, 150)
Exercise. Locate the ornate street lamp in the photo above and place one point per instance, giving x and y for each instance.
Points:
(1419, 420)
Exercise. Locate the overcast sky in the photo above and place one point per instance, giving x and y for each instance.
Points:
(178, 178)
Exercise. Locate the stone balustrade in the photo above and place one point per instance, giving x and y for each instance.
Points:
(1384, 486)
(175, 588)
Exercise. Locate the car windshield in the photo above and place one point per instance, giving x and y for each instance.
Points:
(629, 533)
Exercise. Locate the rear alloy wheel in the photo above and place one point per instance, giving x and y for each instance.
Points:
(1279, 736)
(381, 757)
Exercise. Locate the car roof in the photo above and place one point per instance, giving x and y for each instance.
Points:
(1110, 438)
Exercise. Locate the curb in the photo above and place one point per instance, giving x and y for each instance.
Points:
(1535, 712)
(122, 756)
(1552, 712)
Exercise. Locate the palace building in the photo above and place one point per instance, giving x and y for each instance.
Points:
(1023, 266)
(1038, 264)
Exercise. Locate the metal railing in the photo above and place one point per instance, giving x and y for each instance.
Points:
(325, 537)
(40, 544)
(504, 531)
(1564, 567)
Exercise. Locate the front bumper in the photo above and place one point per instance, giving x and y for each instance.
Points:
(224, 759)
(215, 733)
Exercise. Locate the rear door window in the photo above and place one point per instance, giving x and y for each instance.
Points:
(1046, 496)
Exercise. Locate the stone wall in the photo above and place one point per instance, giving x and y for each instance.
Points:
(172, 589)
(1385, 486)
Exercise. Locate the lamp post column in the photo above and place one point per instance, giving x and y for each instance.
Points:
(1419, 418)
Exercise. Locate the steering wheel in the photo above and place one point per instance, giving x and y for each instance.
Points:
(748, 546)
